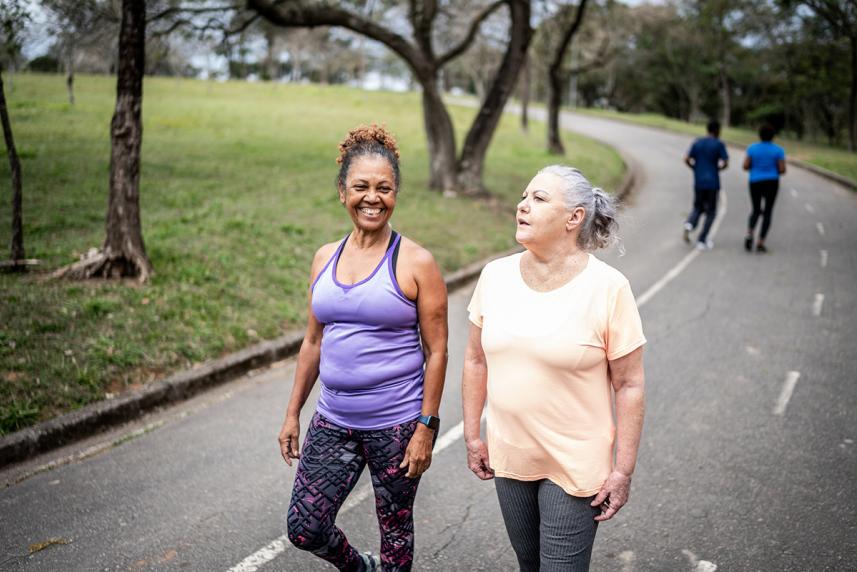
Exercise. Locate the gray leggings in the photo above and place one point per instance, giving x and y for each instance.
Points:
(550, 530)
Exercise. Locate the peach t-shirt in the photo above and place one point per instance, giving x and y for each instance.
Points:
(550, 410)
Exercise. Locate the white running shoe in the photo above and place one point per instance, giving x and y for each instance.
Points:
(686, 233)
(707, 245)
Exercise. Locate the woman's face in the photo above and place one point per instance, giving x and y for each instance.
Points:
(542, 214)
(370, 190)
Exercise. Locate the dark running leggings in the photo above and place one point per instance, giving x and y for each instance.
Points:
(331, 462)
(762, 191)
(550, 530)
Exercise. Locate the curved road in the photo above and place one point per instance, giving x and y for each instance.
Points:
(748, 456)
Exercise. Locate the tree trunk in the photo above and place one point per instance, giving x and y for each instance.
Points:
(69, 78)
(852, 103)
(525, 94)
(123, 253)
(725, 99)
(441, 138)
(17, 246)
(270, 55)
(479, 137)
(555, 81)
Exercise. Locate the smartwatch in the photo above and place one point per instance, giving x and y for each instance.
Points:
(430, 421)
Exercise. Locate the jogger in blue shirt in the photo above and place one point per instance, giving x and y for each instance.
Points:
(707, 157)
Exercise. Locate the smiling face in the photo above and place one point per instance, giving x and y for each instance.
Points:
(543, 216)
(370, 192)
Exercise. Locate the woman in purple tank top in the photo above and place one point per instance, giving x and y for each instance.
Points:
(376, 339)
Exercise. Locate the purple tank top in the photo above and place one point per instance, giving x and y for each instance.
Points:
(371, 368)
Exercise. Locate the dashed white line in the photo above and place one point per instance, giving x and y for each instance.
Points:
(698, 565)
(809, 208)
(820, 228)
(786, 393)
(794, 193)
(817, 304)
(823, 254)
(682, 264)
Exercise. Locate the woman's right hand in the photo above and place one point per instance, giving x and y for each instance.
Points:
(289, 439)
(477, 459)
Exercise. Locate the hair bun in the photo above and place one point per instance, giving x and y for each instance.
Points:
(368, 134)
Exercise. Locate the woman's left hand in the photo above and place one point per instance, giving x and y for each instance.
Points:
(613, 495)
(418, 454)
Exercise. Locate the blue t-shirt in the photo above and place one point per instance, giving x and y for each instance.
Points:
(706, 152)
(763, 161)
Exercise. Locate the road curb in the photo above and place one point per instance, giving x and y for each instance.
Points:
(102, 415)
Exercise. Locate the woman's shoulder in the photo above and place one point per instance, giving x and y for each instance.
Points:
(414, 253)
(607, 274)
(503, 265)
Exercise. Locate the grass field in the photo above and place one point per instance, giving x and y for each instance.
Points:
(237, 193)
(834, 159)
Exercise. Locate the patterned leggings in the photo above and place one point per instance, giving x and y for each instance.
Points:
(331, 462)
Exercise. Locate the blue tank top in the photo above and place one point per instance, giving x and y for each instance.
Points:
(371, 367)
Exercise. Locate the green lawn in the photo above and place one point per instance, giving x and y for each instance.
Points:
(237, 193)
(831, 158)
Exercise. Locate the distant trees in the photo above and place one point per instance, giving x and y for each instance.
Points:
(841, 16)
(785, 62)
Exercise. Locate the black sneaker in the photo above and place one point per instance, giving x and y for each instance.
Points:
(761, 248)
(748, 244)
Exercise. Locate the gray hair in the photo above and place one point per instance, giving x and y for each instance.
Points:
(599, 226)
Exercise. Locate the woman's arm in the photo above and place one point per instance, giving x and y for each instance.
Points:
(781, 166)
(431, 313)
(306, 372)
(747, 163)
(474, 391)
(628, 379)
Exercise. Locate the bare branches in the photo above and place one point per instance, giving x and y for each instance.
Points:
(294, 14)
(192, 10)
(471, 33)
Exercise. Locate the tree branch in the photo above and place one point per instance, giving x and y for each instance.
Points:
(293, 14)
(559, 55)
(183, 10)
(471, 33)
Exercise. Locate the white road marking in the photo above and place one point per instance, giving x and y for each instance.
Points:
(794, 192)
(698, 565)
(820, 228)
(682, 264)
(280, 544)
(753, 351)
(809, 208)
(823, 254)
(817, 305)
(626, 557)
(786, 393)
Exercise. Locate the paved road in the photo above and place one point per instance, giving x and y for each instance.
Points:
(735, 471)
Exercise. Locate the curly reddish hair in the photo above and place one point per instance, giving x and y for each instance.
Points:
(367, 140)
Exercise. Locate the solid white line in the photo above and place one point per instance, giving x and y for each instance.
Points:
(809, 208)
(682, 264)
(279, 545)
(820, 228)
(823, 254)
(786, 393)
(817, 304)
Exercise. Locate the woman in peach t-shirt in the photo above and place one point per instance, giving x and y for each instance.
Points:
(555, 342)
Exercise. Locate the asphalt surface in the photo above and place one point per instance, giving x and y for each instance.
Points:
(732, 475)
